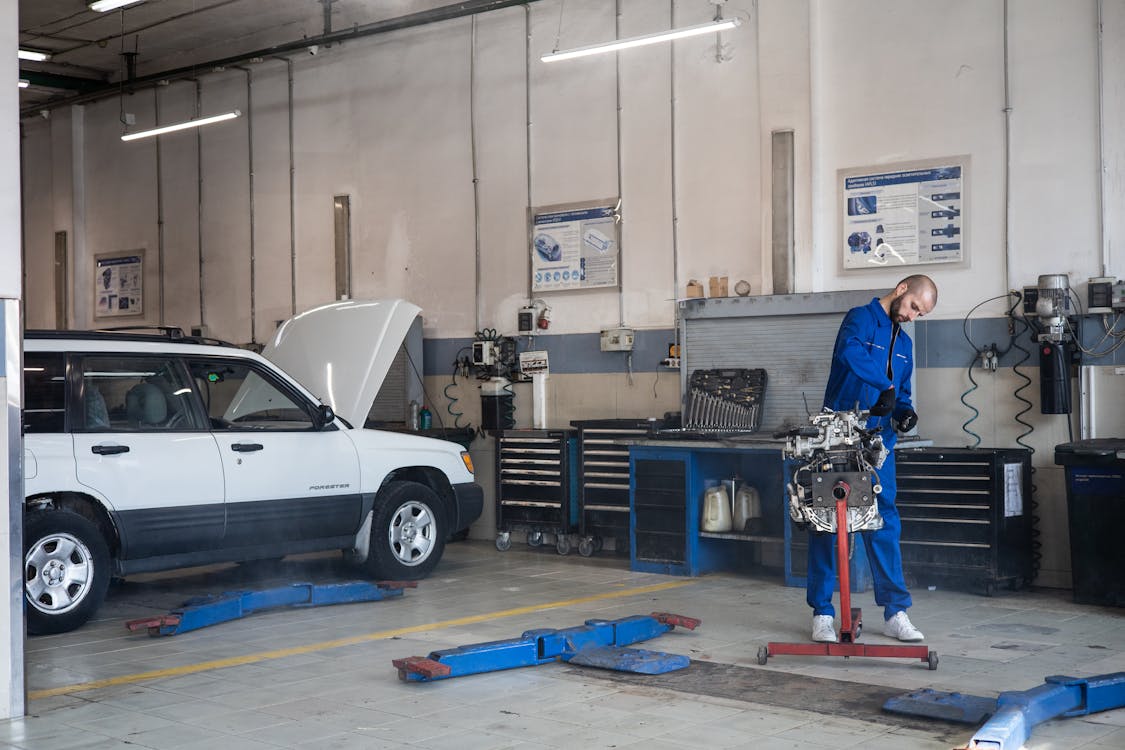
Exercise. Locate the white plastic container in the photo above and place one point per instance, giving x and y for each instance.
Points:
(747, 511)
(716, 510)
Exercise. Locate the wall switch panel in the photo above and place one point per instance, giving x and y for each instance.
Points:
(617, 340)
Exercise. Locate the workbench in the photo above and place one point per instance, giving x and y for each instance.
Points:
(668, 479)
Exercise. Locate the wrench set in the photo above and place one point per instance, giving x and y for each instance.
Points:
(725, 399)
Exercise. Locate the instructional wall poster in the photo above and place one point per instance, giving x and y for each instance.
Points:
(575, 246)
(119, 285)
(904, 214)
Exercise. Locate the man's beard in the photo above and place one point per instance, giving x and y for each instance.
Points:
(896, 304)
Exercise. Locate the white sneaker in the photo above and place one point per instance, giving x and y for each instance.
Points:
(822, 630)
(901, 628)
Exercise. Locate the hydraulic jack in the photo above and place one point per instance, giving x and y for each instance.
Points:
(851, 620)
(205, 611)
(598, 643)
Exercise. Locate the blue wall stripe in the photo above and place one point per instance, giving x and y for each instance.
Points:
(937, 343)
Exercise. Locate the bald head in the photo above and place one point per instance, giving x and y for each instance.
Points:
(911, 298)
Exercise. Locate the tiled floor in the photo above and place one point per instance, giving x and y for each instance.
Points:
(322, 678)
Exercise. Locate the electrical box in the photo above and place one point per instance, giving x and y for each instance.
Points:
(1099, 291)
(1117, 301)
(526, 321)
(617, 340)
(484, 353)
(1030, 299)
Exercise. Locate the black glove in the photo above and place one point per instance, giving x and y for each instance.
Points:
(885, 405)
(908, 421)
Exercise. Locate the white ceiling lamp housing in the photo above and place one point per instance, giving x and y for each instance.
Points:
(640, 41)
(101, 6)
(33, 55)
(182, 126)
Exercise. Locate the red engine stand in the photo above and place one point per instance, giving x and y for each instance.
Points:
(851, 620)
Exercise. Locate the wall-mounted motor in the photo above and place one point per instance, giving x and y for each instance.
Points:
(1052, 306)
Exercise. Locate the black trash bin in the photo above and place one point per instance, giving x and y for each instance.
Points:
(1095, 494)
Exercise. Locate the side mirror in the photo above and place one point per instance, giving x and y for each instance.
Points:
(323, 416)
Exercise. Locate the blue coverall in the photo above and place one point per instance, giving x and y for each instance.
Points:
(858, 376)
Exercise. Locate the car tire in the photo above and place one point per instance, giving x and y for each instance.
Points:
(66, 570)
(407, 532)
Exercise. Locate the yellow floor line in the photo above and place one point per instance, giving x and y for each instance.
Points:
(235, 661)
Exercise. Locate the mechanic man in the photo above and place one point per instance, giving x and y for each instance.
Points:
(871, 366)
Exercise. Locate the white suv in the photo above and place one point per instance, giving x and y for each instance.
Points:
(152, 452)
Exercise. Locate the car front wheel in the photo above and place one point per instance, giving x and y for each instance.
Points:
(408, 532)
(66, 570)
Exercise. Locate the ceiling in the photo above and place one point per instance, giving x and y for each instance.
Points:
(91, 50)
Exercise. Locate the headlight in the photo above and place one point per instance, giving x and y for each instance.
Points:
(467, 460)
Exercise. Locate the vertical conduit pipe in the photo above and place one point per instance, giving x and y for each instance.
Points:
(674, 197)
(1007, 157)
(527, 112)
(199, 194)
(620, 190)
(478, 313)
(159, 204)
(672, 160)
(250, 171)
(1102, 171)
(292, 203)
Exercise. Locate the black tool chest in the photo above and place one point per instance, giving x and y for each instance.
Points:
(603, 480)
(536, 487)
(966, 516)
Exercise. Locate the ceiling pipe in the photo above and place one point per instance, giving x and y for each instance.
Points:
(422, 18)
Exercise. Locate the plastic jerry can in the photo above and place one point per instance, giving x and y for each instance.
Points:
(747, 511)
(716, 510)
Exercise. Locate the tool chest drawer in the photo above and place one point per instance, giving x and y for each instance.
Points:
(603, 479)
(967, 518)
(535, 484)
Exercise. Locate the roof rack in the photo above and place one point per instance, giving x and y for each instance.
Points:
(127, 333)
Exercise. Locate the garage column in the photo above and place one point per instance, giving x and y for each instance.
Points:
(12, 692)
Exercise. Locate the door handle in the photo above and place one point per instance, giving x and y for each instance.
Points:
(109, 450)
(244, 447)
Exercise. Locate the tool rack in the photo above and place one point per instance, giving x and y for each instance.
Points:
(536, 487)
(603, 477)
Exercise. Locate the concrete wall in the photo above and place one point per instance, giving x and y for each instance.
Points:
(387, 120)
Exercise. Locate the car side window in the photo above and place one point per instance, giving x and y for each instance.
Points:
(44, 383)
(238, 396)
(135, 394)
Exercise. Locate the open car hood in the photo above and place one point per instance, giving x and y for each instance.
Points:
(342, 351)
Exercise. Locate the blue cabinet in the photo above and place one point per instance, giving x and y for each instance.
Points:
(667, 482)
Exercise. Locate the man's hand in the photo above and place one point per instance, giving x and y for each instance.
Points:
(909, 421)
(885, 405)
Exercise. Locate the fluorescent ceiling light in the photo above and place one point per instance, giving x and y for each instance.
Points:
(181, 126)
(33, 55)
(24, 83)
(640, 41)
(101, 6)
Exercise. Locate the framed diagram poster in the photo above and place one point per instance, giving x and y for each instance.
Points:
(576, 246)
(119, 284)
(904, 214)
